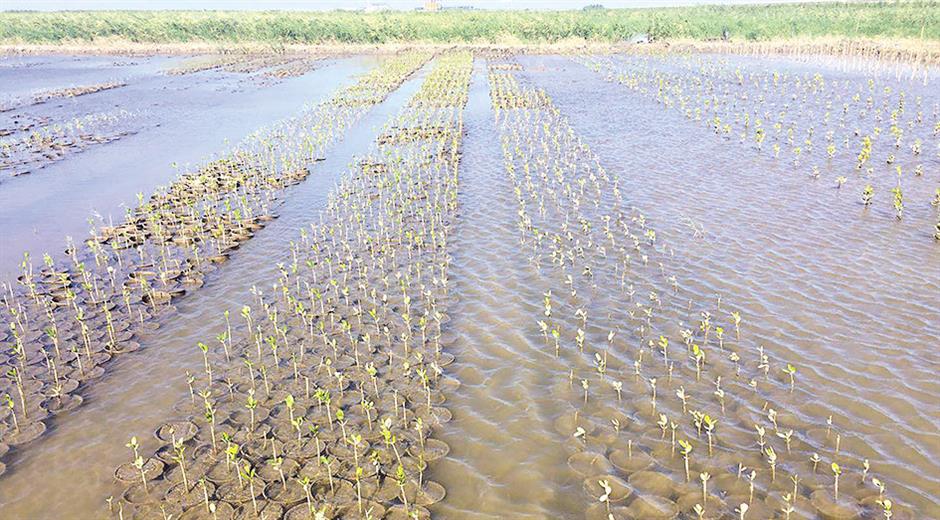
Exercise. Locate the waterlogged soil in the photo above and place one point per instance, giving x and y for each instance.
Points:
(846, 294)
(128, 402)
(179, 120)
(849, 294)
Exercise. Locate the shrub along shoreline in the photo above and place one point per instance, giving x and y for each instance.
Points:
(917, 20)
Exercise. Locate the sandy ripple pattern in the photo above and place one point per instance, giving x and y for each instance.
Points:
(673, 410)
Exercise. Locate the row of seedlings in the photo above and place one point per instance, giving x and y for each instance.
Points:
(23, 154)
(42, 96)
(876, 133)
(320, 400)
(66, 320)
(674, 412)
(271, 65)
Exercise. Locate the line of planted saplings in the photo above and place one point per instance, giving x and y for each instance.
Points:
(50, 143)
(43, 96)
(673, 411)
(22, 123)
(320, 399)
(868, 131)
(65, 321)
(271, 65)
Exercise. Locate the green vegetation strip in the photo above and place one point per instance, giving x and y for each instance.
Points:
(915, 19)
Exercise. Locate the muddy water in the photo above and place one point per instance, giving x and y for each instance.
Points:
(849, 296)
(504, 459)
(852, 296)
(135, 395)
(188, 120)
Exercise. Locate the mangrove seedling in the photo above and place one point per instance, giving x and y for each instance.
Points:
(327, 461)
(138, 460)
(836, 471)
(248, 473)
(735, 358)
(278, 464)
(710, 425)
(605, 498)
(881, 487)
(815, 460)
(359, 487)
(886, 505)
(401, 479)
(720, 394)
(289, 402)
(579, 433)
(898, 202)
(17, 378)
(306, 483)
(205, 496)
(178, 449)
(653, 387)
(868, 193)
(736, 317)
(251, 404)
(12, 407)
(786, 436)
(750, 486)
(790, 370)
(704, 478)
(787, 507)
(686, 450)
(698, 355)
(772, 461)
(680, 393)
(205, 358)
(741, 510)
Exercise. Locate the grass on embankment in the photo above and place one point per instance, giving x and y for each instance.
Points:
(912, 20)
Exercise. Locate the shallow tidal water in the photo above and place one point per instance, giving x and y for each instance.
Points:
(853, 295)
(182, 121)
(849, 296)
(138, 391)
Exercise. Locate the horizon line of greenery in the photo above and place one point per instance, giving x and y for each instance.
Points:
(915, 19)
